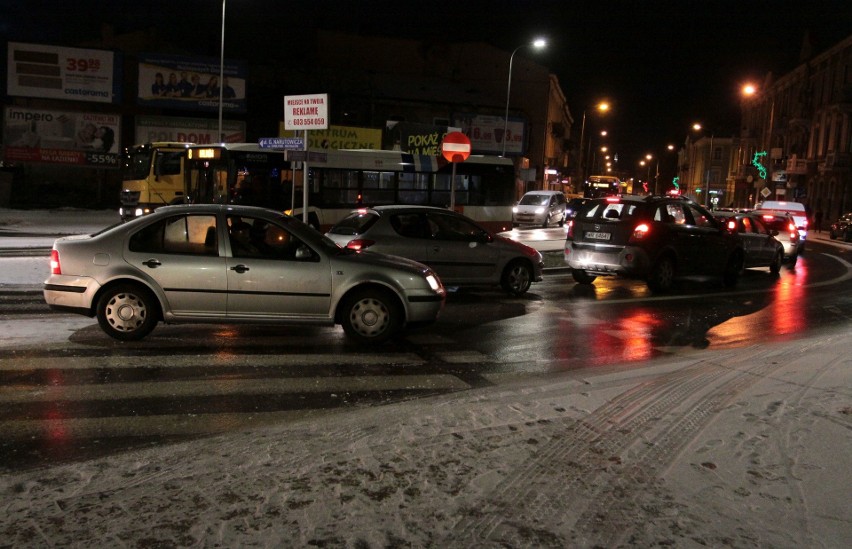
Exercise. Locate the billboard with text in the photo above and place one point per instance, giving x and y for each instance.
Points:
(61, 137)
(191, 83)
(71, 74)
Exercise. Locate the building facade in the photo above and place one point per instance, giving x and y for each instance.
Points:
(799, 127)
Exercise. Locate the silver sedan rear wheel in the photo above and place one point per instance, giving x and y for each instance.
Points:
(127, 312)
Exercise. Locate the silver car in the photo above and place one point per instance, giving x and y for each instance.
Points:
(230, 264)
(459, 250)
(540, 208)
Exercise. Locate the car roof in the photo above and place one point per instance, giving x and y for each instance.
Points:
(403, 207)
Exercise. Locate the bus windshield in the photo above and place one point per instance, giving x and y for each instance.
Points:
(600, 186)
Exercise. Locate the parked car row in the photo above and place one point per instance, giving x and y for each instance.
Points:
(384, 268)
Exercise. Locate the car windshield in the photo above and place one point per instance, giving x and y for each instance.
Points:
(534, 200)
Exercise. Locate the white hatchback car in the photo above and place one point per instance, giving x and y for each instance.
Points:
(540, 208)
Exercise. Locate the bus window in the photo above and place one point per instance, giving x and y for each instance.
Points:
(414, 188)
(339, 187)
(378, 188)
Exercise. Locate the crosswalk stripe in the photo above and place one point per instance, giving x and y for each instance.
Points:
(194, 361)
(221, 387)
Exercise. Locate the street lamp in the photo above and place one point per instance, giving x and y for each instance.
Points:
(222, 71)
(697, 127)
(602, 107)
(538, 43)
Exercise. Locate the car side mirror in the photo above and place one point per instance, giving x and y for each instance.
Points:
(303, 253)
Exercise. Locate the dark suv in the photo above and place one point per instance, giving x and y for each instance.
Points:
(658, 239)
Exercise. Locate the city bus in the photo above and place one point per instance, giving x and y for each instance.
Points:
(152, 175)
(342, 180)
(599, 186)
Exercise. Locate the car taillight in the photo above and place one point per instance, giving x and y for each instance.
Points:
(640, 231)
(792, 227)
(54, 263)
(570, 233)
(360, 244)
(732, 225)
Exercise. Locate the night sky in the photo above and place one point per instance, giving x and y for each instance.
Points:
(662, 64)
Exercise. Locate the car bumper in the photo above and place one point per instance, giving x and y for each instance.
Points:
(528, 219)
(605, 260)
(425, 306)
(70, 293)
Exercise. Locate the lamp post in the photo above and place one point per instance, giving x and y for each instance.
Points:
(697, 127)
(538, 43)
(222, 71)
(602, 107)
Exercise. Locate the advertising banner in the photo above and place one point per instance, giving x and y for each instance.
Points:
(415, 138)
(187, 130)
(71, 74)
(191, 83)
(339, 137)
(486, 133)
(306, 112)
(59, 137)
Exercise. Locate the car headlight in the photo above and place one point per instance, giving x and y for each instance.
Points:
(515, 210)
(433, 282)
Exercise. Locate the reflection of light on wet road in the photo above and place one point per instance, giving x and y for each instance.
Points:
(638, 345)
(788, 311)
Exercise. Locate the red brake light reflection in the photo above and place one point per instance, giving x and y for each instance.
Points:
(54, 263)
(360, 244)
(613, 199)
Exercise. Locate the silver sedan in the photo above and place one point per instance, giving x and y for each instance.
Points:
(215, 263)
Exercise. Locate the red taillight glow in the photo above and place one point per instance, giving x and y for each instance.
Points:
(641, 230)
(360, 244)
(732, 224)
(54, 263)
(613, 199)
(570, 233)
(792, 227)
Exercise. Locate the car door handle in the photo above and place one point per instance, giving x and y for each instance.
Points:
(152, 263)
(240, 268)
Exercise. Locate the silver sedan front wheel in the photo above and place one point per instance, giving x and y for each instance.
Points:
(371, 316)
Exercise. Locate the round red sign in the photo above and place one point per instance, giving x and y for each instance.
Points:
(455, 147)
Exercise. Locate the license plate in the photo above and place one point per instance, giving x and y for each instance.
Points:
(598, 236)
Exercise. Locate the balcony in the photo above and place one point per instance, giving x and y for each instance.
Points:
(837, 161)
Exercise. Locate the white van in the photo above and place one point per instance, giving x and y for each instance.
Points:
(540, 208)
(795, 209)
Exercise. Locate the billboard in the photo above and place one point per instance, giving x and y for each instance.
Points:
(187, 130)
(415, 138)
(71, 74)
(486, 133)
(61, 137)
(191, 83)
(338, 137)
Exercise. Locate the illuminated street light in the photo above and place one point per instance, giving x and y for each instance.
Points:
(698, 127)
(603, 107)
(538, 43)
